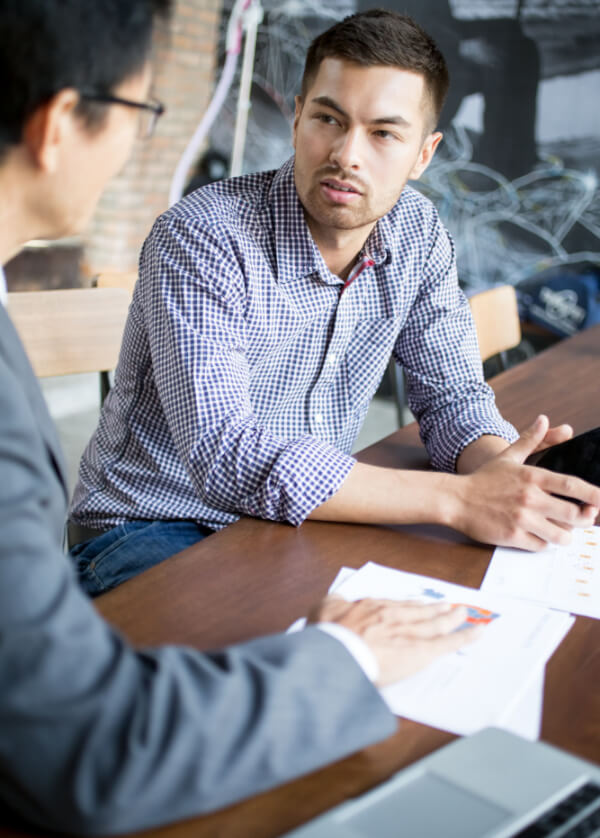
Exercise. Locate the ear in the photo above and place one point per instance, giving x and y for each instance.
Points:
(299, 102)
(48, 127)
(430, 143)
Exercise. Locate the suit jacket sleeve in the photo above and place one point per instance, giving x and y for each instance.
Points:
(98, 738)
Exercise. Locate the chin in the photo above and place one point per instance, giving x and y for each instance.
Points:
(342, 218)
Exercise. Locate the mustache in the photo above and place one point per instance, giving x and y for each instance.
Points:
(341, 174)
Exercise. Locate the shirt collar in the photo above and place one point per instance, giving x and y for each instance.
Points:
(297, 253)
(378, 245)
(3, 293)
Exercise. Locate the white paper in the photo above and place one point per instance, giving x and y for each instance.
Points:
(526, 717)
(483, 684)
(567, 578)
(343, 574)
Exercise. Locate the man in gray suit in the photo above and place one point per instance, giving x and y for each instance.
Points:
(96, 737)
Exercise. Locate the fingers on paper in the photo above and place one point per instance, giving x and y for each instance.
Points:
(437, 624)
(417, 620)
(448, 643)
(407, 612)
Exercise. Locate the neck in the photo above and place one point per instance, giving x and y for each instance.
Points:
(339, 248)
(19, 221)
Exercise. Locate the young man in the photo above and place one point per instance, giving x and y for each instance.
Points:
(264, 317)
(95, 737)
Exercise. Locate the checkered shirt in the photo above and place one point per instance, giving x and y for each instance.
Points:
(245, 373)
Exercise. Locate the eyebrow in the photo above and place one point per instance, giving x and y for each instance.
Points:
(327, 102)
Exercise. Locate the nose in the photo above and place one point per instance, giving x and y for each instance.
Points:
(346, 152)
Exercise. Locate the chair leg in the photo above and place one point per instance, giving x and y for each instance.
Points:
(104, 386)
(399, 390)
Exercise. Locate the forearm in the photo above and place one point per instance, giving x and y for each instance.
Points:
(479, 452)
(374, 495)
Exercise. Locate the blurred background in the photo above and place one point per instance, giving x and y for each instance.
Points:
(515, 178)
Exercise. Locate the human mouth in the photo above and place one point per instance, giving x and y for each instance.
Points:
(340, 192)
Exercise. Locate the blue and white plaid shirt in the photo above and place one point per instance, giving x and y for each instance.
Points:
(245, 374)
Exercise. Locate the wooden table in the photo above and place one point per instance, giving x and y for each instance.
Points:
(257, 577)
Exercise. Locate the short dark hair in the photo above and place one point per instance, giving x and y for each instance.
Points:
(380, 37)
(48, 45)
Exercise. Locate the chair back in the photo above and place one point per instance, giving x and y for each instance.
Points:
(496, 317)
(70, 330)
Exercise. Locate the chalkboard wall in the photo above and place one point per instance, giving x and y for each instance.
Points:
(516, 177)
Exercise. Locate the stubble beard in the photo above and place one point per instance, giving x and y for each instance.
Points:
(338, 217)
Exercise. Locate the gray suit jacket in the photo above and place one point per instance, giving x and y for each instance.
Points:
(98, 738)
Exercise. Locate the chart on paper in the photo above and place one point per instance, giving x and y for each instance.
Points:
(567, 578)
(497, 680)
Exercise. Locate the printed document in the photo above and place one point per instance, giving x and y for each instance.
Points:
(567, 578)
(498, 680)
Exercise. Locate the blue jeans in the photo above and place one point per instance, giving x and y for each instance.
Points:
(115, 556)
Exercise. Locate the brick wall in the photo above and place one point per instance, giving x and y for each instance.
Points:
(185, 63)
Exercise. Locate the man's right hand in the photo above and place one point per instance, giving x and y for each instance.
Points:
(507, 503)
(403, 636)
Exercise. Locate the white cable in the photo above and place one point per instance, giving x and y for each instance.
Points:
(233, 48)
(252, 18)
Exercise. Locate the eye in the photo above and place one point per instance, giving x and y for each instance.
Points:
(326, 118)
(385, 135)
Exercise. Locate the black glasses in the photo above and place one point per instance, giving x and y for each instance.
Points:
(150, 111)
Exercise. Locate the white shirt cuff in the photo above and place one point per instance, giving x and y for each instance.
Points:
(357, 647)
(2, 287)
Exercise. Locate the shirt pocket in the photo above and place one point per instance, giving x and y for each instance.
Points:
(368, 355)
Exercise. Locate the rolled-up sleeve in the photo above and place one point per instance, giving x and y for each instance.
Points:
(439, 352)
(194, 303)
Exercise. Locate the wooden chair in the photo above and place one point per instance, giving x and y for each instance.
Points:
(496, 317)
(71, 330)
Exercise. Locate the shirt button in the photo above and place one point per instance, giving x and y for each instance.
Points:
(319, 418)
(331, 358)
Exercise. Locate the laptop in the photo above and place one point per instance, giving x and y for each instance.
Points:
(489, 785)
